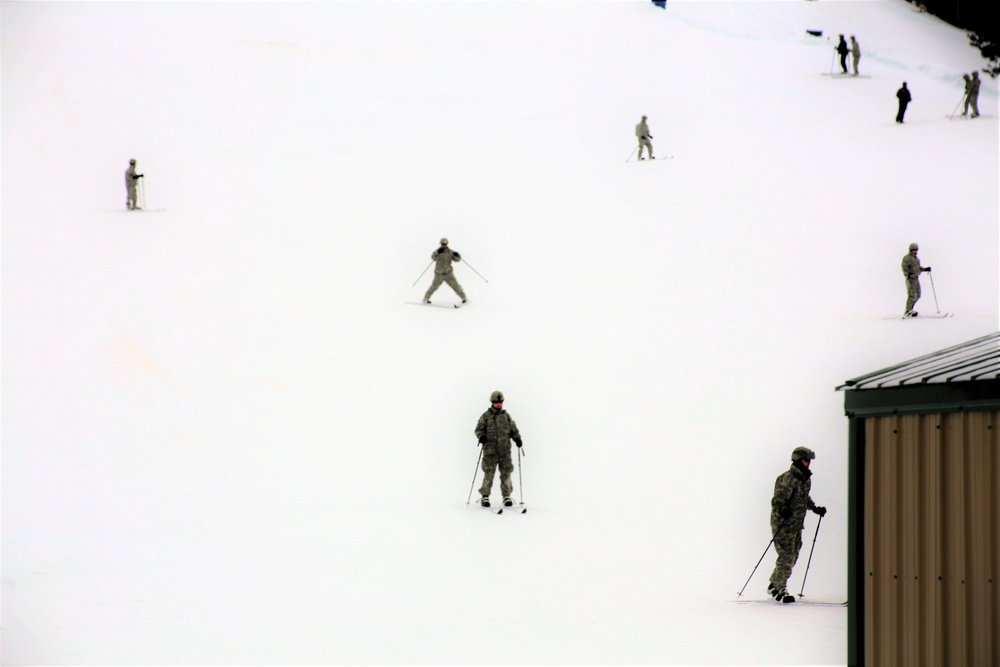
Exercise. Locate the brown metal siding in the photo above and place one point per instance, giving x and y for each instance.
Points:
(932, 540)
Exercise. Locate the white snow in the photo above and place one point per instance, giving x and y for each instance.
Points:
(228, 439)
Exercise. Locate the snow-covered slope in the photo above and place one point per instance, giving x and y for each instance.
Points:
(227, 438)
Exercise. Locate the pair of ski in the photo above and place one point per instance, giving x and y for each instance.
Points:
(513, 509)
(436, 305)
(800, 601)
(935, 316)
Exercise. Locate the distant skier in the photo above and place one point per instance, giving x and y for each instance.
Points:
(843, 51)
(443, 257)
(903, 95)
(973, 95)
(855, 54)
(643, 135)
(131, 180)
(495, 430)
(965, 100)
(911, 271)
(789, 504)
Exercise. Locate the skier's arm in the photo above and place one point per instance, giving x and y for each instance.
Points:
(481, 429)
(515, 434)
(815, 508)
(455, 256)
(782, 494)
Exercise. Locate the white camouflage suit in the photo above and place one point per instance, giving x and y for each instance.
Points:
(642, 134)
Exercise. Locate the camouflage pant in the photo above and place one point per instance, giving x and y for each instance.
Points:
(787, 544)
(130, 196)
(446, 278)
(649, 147)
(912, 293)
(491, 460)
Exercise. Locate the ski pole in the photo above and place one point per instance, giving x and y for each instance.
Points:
(142, 193)
(956, 108)
(740, 594)
(473, 270)
(809, 562)
(632, 153)
(783, 522)
(934, 292)
(474, 474)
(421, 274)
(833, 58)
(520, 480)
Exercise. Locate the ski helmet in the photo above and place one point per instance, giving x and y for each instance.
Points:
(444, 241)
(803, 453)
(914, 246)
(132, 161)
(496, 397)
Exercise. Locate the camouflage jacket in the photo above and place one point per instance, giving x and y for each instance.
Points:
(911, 266)
(791, 490)
(443, 257)
(130, 176)
(498, 427)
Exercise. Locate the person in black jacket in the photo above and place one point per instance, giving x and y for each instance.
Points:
(843, 50)
(903, 95)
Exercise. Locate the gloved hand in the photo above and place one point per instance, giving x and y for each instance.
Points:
(482, 440)
(786, 513)
(927, 268)
(458, 258)
(820, 510)
(518, 442)
(138, 176)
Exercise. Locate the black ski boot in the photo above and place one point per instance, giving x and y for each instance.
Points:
(784, 596)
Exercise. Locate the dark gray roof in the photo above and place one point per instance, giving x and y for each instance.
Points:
(977, 359)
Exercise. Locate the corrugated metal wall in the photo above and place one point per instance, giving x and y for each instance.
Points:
(932, 540)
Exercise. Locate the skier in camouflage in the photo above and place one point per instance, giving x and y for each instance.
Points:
(495, 430)
(442, 258)
(912, 270)
(643, 136)
(789, 504)
(973, 94)
(131, 180)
